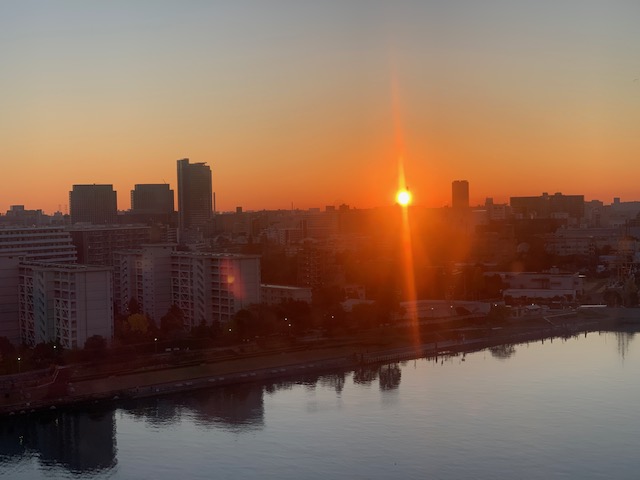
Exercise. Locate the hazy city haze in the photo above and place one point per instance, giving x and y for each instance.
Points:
(292, 101)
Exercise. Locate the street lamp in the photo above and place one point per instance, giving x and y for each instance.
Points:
(155, 344)
(19, 364)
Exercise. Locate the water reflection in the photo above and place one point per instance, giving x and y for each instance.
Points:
(503, 352)
(366, 374)
(233, 407)
(83, 443)
(78, 441)
(390, 376)
(624, 340)
(335, 381)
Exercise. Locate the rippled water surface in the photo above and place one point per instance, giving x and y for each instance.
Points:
(561, 409)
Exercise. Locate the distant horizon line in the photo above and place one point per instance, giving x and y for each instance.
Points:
(615, 201)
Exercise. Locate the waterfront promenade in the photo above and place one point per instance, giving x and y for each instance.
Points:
(70, 385)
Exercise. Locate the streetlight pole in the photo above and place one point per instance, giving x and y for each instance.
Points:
(19, 364)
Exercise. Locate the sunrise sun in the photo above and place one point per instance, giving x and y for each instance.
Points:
(403, 197)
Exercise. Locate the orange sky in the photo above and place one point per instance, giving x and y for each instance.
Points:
(295, 103)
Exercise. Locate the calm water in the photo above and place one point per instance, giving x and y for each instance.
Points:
(562, 409)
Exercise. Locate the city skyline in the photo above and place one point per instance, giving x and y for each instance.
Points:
(313, 104)
(450, 203)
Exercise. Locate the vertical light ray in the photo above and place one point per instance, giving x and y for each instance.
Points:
(408, 273)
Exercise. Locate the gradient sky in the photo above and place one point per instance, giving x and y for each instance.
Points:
(312, 102)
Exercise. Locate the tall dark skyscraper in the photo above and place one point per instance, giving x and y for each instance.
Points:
(195, 207)
(460, 194)
(97, 204)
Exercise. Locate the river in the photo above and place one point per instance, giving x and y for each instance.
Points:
(559, 409)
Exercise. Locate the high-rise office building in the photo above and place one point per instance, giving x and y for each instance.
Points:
(95, 204)
(195, 207)
(152, 199)
(460, 194)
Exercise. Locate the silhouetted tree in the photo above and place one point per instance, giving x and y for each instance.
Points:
(202, 331)
(494, 285)
(334, 321)
(95, 342)
(612, 298)
(6, 348)
(498, 314)
(95, 347)
(630, 292)
(133, 306)
(244, 324)
(364, 316)
(138, 323)
(43, 354)
(172, 322)
(328, 297)
(298, 315)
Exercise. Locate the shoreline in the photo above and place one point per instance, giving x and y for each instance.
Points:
(64, 395)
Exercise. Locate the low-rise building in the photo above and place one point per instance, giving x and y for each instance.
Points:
(276, 294)
(544, 287)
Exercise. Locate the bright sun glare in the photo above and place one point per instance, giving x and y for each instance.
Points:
(403, 197)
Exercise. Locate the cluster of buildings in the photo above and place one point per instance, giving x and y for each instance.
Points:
(62, 282)
(63, 277)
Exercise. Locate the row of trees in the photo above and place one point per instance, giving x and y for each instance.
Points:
(135, 327)
(288, 320)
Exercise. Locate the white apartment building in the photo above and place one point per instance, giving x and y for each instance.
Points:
(9, 319)
(144, 274)
(213, 287)
(41, 244)
(64, 303)
(207, 287)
